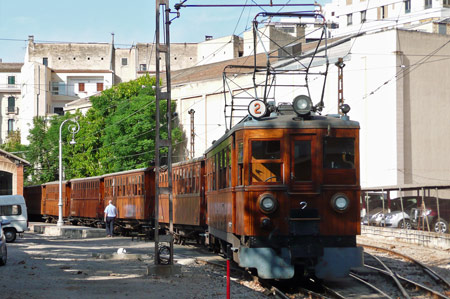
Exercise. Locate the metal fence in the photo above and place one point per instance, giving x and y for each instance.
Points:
(420, 207)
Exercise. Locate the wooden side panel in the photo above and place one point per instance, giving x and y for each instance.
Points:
(340, 224)
(51, 200)
(33, 199)
(164, 208)
(85, 199)
(220, 209)
(132, 193)
(187, 209)
(241, 200)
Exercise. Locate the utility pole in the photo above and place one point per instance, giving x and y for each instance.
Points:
(163, 49)
(340, 64)
(192, 153)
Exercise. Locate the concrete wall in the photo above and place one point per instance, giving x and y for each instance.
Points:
(218, 49)
(183, 55)
(69, 56)
(125, 65)
(268, 39)
(424, 98)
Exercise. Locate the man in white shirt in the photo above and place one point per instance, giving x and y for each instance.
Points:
(110, 216)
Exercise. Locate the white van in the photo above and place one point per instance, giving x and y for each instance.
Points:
(13, 208)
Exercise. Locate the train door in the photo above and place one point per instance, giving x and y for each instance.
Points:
(304, 165)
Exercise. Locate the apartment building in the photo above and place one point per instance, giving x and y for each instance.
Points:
(10, 98)
(355, 16)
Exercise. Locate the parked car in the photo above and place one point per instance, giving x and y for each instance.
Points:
(426, 215)
(13, 209)
(3, 250)
(397, 217)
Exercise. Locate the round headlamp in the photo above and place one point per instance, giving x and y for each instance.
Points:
(340, 202)
(267, 203)
(302, 105)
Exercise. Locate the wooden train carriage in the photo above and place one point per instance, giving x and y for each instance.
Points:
(284, 190)
(189, 204)
(50, 200)
(33, 199)
(133, 193)
(87, 205)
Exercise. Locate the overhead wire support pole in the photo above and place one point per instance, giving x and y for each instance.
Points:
(163, 48)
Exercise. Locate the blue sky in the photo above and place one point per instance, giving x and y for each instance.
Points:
(131, 21)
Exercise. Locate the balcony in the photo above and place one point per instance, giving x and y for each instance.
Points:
(9, 87)
(11, 110)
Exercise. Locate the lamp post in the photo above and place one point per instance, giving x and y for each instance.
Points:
(74, 128)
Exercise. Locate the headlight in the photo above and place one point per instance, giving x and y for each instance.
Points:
(340, 202)
(267, 203)
(302, 105)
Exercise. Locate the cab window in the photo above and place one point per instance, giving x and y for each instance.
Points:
(302, 161)
(266, 164)
(339, 153)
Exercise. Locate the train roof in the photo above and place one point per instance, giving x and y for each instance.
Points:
(290, 120)
(193, 160)
(127, 171)
(54, 183)
(91, 178)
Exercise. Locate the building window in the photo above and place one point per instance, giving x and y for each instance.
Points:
(11, 80)
(45, 61)
(428, 4)
(349, 19)
(408, 6)
(58, 88)
(99, 86)
(446, 3)
(143, 67)
(124, 61)
(58, 110)
(11, 104)
(382, 12)
(81, 87)
(10, 125)
(363, 16)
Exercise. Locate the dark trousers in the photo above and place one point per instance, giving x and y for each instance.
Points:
(110, 225)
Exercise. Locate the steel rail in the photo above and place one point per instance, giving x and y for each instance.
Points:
(370, 285)
(392, 274)
(436, 294)
(427, 269)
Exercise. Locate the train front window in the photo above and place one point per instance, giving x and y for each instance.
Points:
(266, 166)
(302, 161)
(339, 153)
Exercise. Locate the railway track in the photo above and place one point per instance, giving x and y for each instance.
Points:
(400, 276)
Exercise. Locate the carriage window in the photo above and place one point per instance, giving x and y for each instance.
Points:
(266, 171)
(339, 153)
(240, 179)
(266, 150)
(302, 160)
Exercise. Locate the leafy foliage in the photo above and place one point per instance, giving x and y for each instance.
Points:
(116, 134)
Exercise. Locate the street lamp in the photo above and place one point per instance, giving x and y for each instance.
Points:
(73, 129)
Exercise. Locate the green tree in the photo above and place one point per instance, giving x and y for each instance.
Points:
(116, 134)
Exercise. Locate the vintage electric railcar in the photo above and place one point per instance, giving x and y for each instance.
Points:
(284, 190)
(189, 204)
(133, 193)
(50, 200)
(86, 202)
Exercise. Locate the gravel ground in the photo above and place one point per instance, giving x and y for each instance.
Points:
(49, 267)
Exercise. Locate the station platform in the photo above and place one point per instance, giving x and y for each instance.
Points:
(66, 231)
